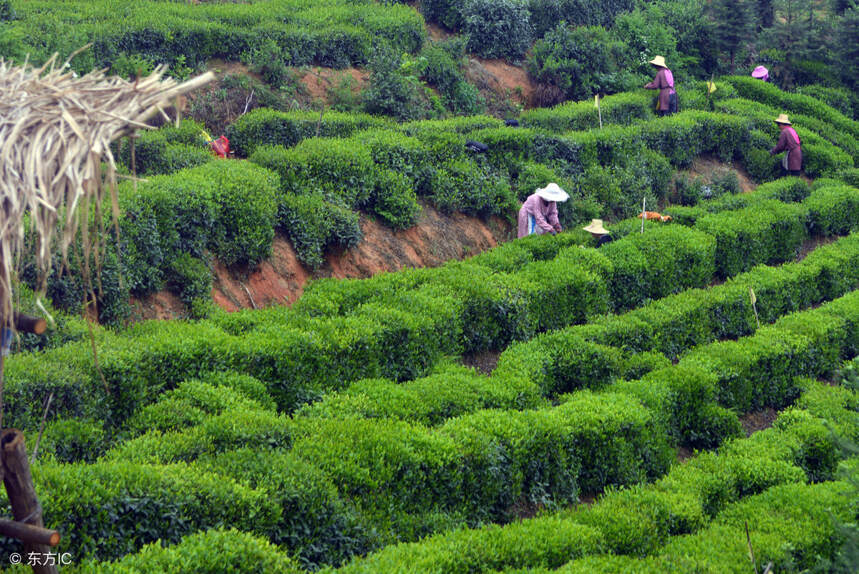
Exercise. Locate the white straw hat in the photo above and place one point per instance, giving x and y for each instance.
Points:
(658, 61)
(553, 193)
(596, 227)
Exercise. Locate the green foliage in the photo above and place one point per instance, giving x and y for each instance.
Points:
(108, 509)
(624, 109)
(732, 24)
(167, 150)
(314, 224)
(226, 207)
(465, 186)
(545, 14)
(443, 71)
(645, 34)
(447, 13)
(576, 63)
(848, 33)
(769, 232)
(186, 36)
(73, 440)
(6, 11)
(497, 28)
(216, 549)
(395, 90)
(336, 168)
(430, 400)
(191, 279)
(264, 126)
(316, 525)
(394, 200)
(833, 210)
(655, 264)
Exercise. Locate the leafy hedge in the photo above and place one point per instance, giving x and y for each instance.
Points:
(314, 224)
(640, 521)
(622, 109)
(217, 549)
(185, 36)
(594, 354)
(471, 308)
(429, 400)
(228, 208)
(768, 232)
(386, 462)
(263, 126)
(108, 509)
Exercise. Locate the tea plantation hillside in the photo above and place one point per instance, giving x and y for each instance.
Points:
(343, 426)
(314, 188)
(677, 400)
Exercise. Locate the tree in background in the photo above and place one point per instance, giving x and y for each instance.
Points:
(848, 47)
(575, 63)
(395, 88)
(765, 14)
(791, 34)
(497, 28)
(693, 31)
(732, 27)
(645, 34)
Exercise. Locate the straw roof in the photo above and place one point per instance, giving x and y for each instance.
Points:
(55, 131)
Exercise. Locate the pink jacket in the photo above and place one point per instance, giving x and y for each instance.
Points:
(664, 82)
(788, 140)
(545, 215)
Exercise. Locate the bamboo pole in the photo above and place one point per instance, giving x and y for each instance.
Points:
(22, 494)
(28, 533)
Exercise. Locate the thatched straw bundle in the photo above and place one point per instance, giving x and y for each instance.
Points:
(55, 131)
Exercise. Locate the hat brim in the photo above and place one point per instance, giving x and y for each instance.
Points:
(598, 230)
(783, 122)
(551, 195)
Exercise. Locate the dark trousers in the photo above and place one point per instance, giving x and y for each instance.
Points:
(672, 106)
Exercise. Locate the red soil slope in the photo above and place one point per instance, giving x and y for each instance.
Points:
(281, 279)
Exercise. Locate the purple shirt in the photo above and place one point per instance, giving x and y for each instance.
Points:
(664, 82)
(788, 140)
(545, 215)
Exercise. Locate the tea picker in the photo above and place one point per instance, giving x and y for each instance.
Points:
(539, 213)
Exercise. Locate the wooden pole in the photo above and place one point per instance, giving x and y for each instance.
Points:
(30, 324)
(22, 494)
(643, 212)
(28, 533)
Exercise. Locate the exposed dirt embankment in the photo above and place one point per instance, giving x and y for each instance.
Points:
(281, 279)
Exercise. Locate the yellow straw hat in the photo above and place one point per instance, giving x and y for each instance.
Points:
(596, 227)
(782, 119)
(658, 61)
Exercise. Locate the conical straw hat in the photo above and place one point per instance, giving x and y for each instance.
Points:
(596, 227)
(658, 61)
(553, 193)
(782, 119)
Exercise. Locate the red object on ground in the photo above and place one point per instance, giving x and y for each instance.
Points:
(221, 146)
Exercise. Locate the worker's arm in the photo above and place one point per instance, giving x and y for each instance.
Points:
(552, 217)
(656, 84)
(541, 222)
(781, 145)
